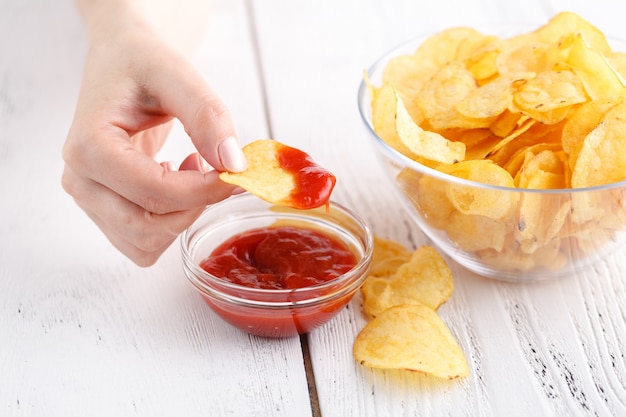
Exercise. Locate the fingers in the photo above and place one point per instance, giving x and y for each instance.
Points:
(111, 160)
(139, 234)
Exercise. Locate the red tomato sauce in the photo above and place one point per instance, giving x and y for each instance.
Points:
(314, 184)
(279, 258)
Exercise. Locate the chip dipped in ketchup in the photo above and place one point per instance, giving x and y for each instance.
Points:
(276, 271)
(283, 175)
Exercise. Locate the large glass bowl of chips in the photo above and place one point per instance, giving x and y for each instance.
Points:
(507, 146)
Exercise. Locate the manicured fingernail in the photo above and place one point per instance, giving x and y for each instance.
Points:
(231, 156)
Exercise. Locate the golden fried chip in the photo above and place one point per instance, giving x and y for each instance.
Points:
(569, 22)
(602, 158)
(489, 101)
(598, 76)
(474, 233)
(387, 256)
(384, 102)
(469, 199)
(582, 122)
(440, 95)
(428, 195)
(376, 295)
(549, 96)
(542, 170)
(407, 73)
(514, 164)
(411, 337)
(425, 144)
(425, 278)
(270, 179)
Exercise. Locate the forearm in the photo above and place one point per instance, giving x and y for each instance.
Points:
(178, 22)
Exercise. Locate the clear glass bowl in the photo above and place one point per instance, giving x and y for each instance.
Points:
(274, 313)
(547, 233)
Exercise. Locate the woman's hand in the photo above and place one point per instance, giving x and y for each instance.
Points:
(134, 85)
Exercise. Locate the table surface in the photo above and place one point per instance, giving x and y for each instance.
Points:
(84, 332)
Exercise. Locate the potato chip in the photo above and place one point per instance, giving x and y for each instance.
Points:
(271, 176)
(482, 61)
(425, 278)
(387, 256)
(602, 158)
(540, 220)
(428, 194)
(384, 105)
(468, 199)
(376, 295)
(535, 133)
(425, 144)
(489, 101)
(438, 98)
(515, 163)
(411, 337)
(407, 73)
(544, 170)
(600, 79)
(569, 22)
(582, 122)
(474, 232)
(549, 97)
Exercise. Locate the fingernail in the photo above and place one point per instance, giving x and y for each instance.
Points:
(231, 156)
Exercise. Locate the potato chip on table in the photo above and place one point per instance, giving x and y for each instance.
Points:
(424, 278)
(405, 331)
(411, 337)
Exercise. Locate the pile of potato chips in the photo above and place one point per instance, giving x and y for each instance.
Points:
(401, 295)
(543, 110)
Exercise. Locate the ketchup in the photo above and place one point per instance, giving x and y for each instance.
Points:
(283, 257)
(314, 183)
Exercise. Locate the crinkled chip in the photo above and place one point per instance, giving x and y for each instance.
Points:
(283, 175)
(602, 157)
(425, 279)
(411, 337)
(426, 144)
(387, 256)
(549, 97)
(469, 199)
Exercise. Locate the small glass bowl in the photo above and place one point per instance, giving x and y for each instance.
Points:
(568, 229)
(274, 313)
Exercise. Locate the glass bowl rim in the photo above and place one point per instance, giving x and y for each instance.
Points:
(352, 278)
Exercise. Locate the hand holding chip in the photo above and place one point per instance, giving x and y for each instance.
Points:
(135, 83)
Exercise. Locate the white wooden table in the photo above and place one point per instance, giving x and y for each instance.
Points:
(84, 332)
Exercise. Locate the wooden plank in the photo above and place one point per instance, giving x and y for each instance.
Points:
(546, 349)
(83, 330)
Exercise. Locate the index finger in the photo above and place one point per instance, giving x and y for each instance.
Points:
(111, 160)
